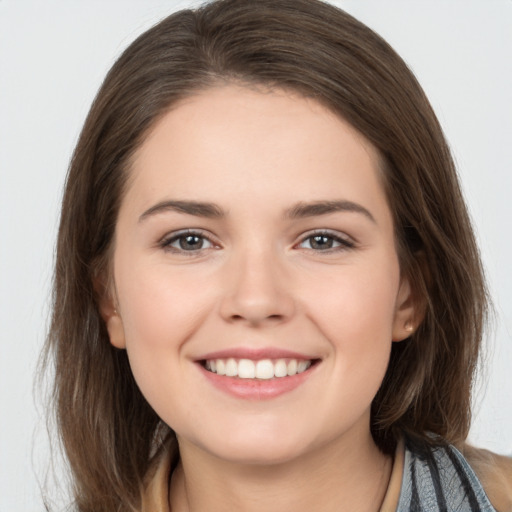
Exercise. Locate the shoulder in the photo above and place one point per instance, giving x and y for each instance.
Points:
(495, 473)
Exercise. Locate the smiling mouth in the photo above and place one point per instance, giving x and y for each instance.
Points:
(261, 369)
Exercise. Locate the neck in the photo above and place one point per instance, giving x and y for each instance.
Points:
(347, 474)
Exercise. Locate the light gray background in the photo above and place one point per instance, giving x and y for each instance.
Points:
(53, 56)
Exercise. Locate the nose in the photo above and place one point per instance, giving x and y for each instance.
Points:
(257, 290)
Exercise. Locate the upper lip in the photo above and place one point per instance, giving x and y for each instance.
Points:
(255, 354)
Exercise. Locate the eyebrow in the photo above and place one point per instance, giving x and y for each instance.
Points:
(299, 210)
(199, 209)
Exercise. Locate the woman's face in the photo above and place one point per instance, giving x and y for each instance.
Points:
(255, 240)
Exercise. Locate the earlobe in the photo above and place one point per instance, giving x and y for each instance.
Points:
(110, 315)
(408, 312)
(115, 330)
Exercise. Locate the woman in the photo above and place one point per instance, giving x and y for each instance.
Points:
(268, 293)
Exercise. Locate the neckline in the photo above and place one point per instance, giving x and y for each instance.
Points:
(156, 495)
(392, 496)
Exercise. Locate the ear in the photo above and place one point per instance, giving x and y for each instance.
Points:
(108, 310)
(409, 311)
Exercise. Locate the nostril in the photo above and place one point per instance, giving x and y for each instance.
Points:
(254, 307)
(253, 319)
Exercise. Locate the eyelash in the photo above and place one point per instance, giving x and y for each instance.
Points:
(166, 243)
(344, 243)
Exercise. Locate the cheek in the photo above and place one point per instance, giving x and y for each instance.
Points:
(355, 312)
(357, 322)
(356, 306)
(161, 311)
(159, 301)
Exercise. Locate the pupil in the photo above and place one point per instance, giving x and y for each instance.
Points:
(321, 242)
(191, 242)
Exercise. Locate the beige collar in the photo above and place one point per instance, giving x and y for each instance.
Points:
(392, 496)
(494, 471)
(156, 495)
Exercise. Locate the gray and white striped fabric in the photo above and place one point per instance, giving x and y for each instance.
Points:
(439, 479)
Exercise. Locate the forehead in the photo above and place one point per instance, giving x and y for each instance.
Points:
(231, 141)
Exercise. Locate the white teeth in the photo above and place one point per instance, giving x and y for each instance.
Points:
(263, 369)
(231, 368)
(292, 367)
(280, 369)
(303, 366)
(246, 369)
(221, 367)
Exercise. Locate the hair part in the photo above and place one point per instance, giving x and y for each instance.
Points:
(108, 430)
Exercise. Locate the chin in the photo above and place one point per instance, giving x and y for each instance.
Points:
(252, 446)
(257, 455)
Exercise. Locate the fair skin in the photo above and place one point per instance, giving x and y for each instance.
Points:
(255, 227)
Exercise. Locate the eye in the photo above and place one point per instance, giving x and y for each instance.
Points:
(324, 241)
(188, 241)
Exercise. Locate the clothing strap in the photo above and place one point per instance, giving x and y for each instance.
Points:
(439, 479)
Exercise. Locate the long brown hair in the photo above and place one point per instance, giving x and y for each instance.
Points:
(108, 430)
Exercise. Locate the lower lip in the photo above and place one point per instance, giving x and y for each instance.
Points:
(257, 389)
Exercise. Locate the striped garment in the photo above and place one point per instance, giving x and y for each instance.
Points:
(439, 479)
